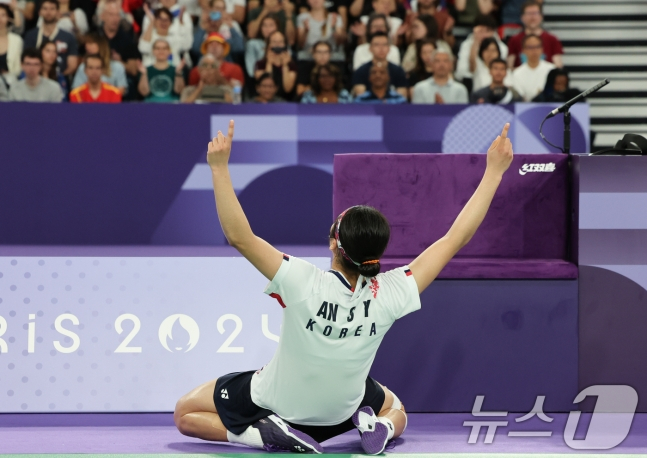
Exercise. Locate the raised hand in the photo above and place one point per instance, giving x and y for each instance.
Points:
(499, 155)
(220, 148)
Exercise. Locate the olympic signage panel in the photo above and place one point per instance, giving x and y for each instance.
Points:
(113, 334)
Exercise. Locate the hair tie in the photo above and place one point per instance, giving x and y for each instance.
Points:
(374, 261)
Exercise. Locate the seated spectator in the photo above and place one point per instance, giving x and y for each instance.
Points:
(321, 53)
(217, 46)
(181, 19)
(326, 86)
(216, 19)
(380, 91)
(160, 27)
(66, 44)
(255, 48)
(33, 87)
(278, 62)
(469, 10)
(485, 27)
(481, 76)
(443, 18)
(424, 62)
(161, 82)
(338, 7)
(283, 10)
(16, 18)
(50, 68)
(422, 27)
(266, 90)
(114, 72)
(362, 55)
(532, 19)
(318, 25)
(497, 92)
(72, 20)
(10, 45)
(557, 87)
(379, 47)
(212, 87)
(95, 90)
(440, 88)
(384, 7)
(529, 79)
(117, 32)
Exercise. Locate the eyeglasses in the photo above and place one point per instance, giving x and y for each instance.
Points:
(208, 66)
(533, 47)
(321, 51)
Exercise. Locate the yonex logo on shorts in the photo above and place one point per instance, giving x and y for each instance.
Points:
(549, 167)
(224, 394)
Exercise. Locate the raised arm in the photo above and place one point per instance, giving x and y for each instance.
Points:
(426, 267)
(261, 254)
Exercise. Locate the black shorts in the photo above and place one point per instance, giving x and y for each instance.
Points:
(237, 411)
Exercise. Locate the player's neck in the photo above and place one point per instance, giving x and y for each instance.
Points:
(351, 277)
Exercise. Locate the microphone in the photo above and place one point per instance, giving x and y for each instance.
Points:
(577, 98)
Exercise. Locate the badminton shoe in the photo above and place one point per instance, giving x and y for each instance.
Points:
(373, 433)
(278, 436)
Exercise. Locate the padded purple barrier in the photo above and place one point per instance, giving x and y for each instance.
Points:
(524, 234)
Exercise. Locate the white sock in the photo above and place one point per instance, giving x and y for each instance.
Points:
(389, 426)
(250, 437)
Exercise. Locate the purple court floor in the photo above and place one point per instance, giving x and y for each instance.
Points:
(155, 434)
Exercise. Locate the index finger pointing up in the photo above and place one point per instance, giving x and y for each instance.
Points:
(230, 134)
(504, 132)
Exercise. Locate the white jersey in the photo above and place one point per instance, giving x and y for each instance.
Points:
(329, 338)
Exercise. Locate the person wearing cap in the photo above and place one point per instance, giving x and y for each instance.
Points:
(216, 19)
(216, 45)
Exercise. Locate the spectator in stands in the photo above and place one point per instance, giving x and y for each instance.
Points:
(423, 26)
(529, 79)
(255, 48)
(497, 92)
(160, 27)
(380, 90)
(444, 20)
(283, 10)
(318, 25)
(278, 62)
(440, 88)
(70, 18)
(119, 35)
(481, 76)
(236, 10)
(511, 11)
(114, 72)
(216, 45)
(384, 7)
(532, 18)
(326, 87)
(321, 52)
(50, 68)
(33, 87)
(161, 82)
(95, 90)
(216, 19)
(66, 44)
(266, 90)
(212, 87)
(181, 19)
(557, 87)
(10, 45)
(425, 49)
(15, 18)
(338, 7)
(379, 47)
(376, 23)
(469, 10)
(484, 27)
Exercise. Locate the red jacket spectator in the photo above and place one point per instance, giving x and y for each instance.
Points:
(532, 18)
(552, 46)
(107, 94)
(216, 45)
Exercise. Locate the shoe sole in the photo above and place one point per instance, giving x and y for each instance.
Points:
(373, 442)
(308, 442)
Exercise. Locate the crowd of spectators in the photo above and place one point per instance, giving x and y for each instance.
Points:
(269, 51)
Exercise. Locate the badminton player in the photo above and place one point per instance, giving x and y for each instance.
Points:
(317, 385)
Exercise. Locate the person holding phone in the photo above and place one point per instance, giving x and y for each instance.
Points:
(278, 63)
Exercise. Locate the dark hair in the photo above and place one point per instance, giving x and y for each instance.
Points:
(431, 24)
(322, 42)
(530, 3)
(420, 65)
(485, 44)
(316, 72)
(5, 7)
(498, 60)
(269, 37)
(271, 17)
(372, 18)
(32, 53)
(264, 77)
(364, 233)
(528, 37)
(54, 2)
(378, 34)
(485, 20)
(163, 10)
(549, 87)
(52, 74)
(93, 56)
